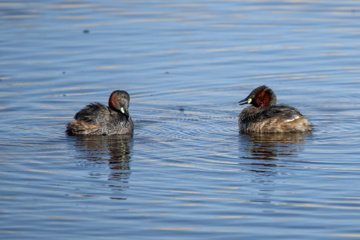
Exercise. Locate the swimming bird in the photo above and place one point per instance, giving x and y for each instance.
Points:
(265, 116)
(98, 119)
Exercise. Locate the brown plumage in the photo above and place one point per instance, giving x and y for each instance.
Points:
(265, 116)
(98, 119)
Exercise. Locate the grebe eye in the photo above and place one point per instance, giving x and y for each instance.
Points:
(122, 110)
(249, 100)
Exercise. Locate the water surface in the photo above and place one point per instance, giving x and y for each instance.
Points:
(186, 173)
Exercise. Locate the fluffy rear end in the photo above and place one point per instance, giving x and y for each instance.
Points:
(79, 127)
(278, 125)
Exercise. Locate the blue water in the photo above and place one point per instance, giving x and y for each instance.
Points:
(186, 173)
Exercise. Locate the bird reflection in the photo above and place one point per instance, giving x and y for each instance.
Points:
(273, 146)
(113, 150)
(265, 149)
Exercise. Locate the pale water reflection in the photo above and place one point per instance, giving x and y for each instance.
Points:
(186, 173)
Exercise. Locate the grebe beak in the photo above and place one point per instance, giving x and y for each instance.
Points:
(126, 113)
(245, 101)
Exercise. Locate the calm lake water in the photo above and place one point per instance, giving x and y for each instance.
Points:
(186, 173)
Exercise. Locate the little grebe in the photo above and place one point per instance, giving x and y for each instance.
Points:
(98, 119)
(266, 116)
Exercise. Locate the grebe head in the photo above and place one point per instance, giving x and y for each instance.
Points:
(119, 102)
(260, 97)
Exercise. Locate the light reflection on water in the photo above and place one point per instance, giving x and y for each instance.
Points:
(186, 172)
